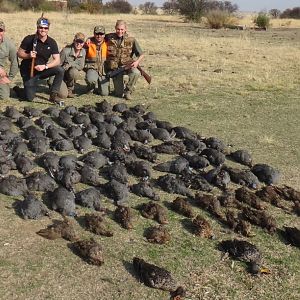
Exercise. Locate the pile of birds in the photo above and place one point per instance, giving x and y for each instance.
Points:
(46, 154)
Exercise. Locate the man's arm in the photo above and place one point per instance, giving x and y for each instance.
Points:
(137, 52)
(55, 62)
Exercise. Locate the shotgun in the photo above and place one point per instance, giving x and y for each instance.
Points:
(122, 69)
(33, 59)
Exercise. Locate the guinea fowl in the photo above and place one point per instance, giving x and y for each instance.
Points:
(139, 168)
(96, 117)
(164, 124)
(214, 156)
(183, 207)
(170, 147)
(59, 229)
(173, 185)
(215, 143)
(39, 145)
(33, 132)
(68, 162)
(91, 131)
(266, 173)
(202, 227)
(74, 131)
(123, 215)
(194, 144)
(62, 145)
(64, 119)
(177, 166)
(12, 113)
(89, 198)
(68, 178)
(140, 135)
(120, 107)
(13, 186)
(161, 134)
(50, 162)
(118, 172)
(40, 181)
(104, 107)
(17, 146)
(184, 133)
(117, 191)
(94, 159)
(90, 176)
(157, 234)
(96, 224)
(52, 111)
(82, 143)
(45, 122)
(196, 161)
(121, 140)
(32, 208)
(24, 164)
(242, 156)
(31, 112)
(81, 119)
(244, 251)
(89, 250)
(144, 152)
(158, 278)
(102, 140)
(24, 122)
(218, 177)
(145, 189)
(56, 133)
(63, 201)
(71, 110)
(154, 211)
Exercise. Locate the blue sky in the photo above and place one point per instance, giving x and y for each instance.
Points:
(244, 5)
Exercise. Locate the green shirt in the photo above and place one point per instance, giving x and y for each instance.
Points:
(68, 58)
(8, 52)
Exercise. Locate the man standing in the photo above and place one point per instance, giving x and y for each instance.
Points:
(121, 50)
(35, 51)
(72, 59)
(7, 52)
(96, 52)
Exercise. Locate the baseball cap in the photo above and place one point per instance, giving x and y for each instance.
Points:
(99, 29)
(2, 26)
(79, 36)
(43, 22)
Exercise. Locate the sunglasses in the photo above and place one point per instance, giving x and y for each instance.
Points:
(99, 33)
(79, 41)
(1, 30)
(45, 28)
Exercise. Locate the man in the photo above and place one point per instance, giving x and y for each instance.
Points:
(72, 59)
(35, 51)
(7, 52)
(121, 50)
(94, 63)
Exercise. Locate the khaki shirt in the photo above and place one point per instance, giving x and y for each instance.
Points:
(68, 58)
(8, 52)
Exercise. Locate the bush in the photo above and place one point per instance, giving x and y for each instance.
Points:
(293, 13)
(170, 7)
(222, 5)
(193, 10)
(274, 13)
(262, 20)
(148, 8)
(117, 6)
(217, 18)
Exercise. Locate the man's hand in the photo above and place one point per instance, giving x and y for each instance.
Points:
(32, 54)
(134, 64)
(4, 80)
(40, 67)
(2, 72)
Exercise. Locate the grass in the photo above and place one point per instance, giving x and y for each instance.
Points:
(241, 86)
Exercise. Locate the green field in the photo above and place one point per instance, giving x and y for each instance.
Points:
(240, 86)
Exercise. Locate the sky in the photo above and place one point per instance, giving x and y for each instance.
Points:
(244, 5)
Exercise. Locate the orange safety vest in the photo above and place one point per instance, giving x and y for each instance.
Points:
(95, 58)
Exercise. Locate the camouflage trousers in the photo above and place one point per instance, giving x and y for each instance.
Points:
(4, 91)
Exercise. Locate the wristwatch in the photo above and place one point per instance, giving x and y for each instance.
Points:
(46, 67)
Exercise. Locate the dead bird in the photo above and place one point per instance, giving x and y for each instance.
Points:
(104, 107)
(145, 189)
(184, 133)
(117, 191)
(90, 198)
(157, 234)
(259, 218)
(139, 168)
(215, 143)
(177, 166)
(214, 156)
(288, 193)
(96, 224)
(13, 186)
(94, 159)
(170, 147)
(218, 177)
(118, 172)
(63, 201)
(24, 164)
(91, 131)
(24, 122)
(82, 119)
(202, 227)
(31, 112)
(242, 156)
(266, 173)
(12, 112)
(245, 196)
(183, 207)
(269, 194)
(244, 251)
(210, 203)
(227, 199)
(144, 152)
(292, 235)
(90, 176)
(89, 250)
(158, 278)
(161, 134)
(59, 229)
(68, 178)
(40, 181)
(50, 162)
(173, 185)
(102, 140)
(196, 161)
(195, 181)
(237, 224)
(32, 208)
(124, 216)
(152, 210)
(82, 143)
(62, 144)
(120, 107)
(39, 145)
(140, 135)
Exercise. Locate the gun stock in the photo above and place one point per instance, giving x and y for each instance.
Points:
(145, 75)
(33, 59)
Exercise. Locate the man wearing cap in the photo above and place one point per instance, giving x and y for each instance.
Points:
(72, 59)
(35, 51)
(121, 51)
(7, 52)
(94, 63)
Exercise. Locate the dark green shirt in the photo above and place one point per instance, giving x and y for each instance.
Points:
(8, 52)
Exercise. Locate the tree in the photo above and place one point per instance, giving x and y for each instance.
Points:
(220, 5)
(293, 13)
(148, 8)
(118, 6)
(274, 13)
(31, 4)
(170, 7)
(193, 10)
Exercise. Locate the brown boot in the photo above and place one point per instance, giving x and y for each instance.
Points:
(70, 94)
(55, 99)
(128, 95)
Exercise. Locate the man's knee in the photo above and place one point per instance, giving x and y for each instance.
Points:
(4, 91)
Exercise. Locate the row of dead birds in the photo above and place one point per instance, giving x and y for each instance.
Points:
(123, 135)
